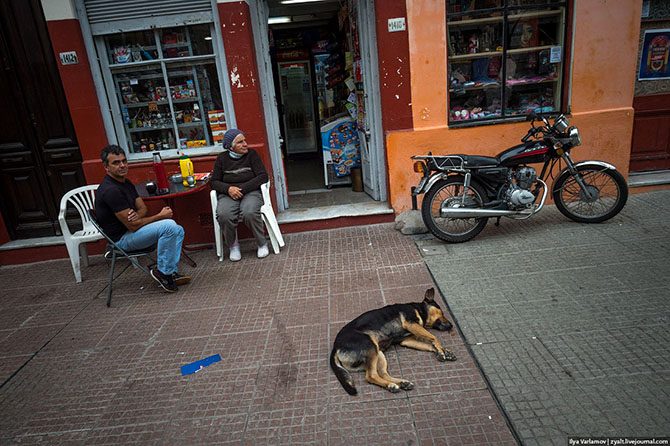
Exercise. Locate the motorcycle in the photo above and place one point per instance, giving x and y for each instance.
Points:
(461, 192)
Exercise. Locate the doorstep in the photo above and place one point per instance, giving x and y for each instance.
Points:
(335, 211)
(335, 216)
(641, 179)
(33, 243)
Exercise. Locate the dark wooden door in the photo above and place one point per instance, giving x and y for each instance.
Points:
(39, 154)
(650, 149)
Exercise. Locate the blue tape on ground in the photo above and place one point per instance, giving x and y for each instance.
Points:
(199, 365)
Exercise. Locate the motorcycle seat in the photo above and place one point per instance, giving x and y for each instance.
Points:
(468, 161)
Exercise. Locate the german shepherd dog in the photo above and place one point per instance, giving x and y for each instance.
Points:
(362, 342)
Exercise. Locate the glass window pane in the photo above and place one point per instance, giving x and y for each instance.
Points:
(145, 109)
(131, 47)
(535, 28)
(198, 106)
(481, 86)
(185, 41)
(187, 112)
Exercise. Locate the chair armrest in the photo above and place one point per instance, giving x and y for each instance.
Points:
(62, 221)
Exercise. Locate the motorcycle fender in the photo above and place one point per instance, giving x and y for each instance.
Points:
(424, 186)
(597, 163)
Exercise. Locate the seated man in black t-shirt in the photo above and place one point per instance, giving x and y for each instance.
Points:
(122, 214)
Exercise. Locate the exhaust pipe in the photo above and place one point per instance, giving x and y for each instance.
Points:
(479, 213)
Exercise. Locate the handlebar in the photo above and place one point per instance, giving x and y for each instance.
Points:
(547, 128)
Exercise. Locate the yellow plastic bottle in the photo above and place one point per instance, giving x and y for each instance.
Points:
(186, 167)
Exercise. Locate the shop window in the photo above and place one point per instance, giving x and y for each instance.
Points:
(528, 35)
(164, 89)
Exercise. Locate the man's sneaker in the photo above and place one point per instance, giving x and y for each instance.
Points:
(181, 279)
(263, 251)
(235, 254)
(166, 282)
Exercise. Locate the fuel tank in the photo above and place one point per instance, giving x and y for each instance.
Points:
(526, 153)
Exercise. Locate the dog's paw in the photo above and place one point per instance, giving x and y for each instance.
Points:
(393, 388)
(445, 355)
(406, 385)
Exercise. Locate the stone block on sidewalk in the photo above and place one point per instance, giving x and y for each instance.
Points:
(410, 222)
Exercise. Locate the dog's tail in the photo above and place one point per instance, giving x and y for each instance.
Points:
(342, 374)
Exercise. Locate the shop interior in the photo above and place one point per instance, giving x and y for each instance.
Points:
(319, 88)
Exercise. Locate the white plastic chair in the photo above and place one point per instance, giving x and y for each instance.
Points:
(82, 199)
(267, 213)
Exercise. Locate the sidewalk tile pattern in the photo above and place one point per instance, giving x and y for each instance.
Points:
(73, 371)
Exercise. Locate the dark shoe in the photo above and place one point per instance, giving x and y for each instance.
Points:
(166, 282)
(181, 279)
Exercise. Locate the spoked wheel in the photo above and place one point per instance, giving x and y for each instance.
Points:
(449, 194)
(605, 195)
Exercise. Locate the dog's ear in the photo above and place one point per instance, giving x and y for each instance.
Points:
(430, 295)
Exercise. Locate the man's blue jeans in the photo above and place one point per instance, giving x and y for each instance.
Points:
(169, 236)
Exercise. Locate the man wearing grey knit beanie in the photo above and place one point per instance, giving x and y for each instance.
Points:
(237, 178)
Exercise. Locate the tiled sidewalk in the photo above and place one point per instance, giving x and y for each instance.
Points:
(569, 321)
(76, 372)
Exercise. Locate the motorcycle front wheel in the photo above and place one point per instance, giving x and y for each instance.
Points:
(608, 193)
(449, 193)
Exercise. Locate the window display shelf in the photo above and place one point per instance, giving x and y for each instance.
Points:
(149, 129)
(530, 49)
(159, 103)
(190, 124)
(475, 55)
(145, 104)
(144, 63)
(510, 83)
(499, 53)
(497, 19)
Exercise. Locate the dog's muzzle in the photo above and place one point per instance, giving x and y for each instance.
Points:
(439, 325)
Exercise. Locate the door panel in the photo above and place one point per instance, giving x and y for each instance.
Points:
(28, 217)
(372, 150)
(650, 148)
(39, 155)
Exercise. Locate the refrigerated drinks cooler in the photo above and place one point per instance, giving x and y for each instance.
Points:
(341, 150)
(300, 123)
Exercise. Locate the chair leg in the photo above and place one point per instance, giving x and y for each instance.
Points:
(83, 254)
(274, 225)
(111, 280)
(273, 238)
(73, 252)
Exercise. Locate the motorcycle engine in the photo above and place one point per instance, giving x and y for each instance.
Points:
(518, 194)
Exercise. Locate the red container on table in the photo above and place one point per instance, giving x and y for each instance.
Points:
(162, 184)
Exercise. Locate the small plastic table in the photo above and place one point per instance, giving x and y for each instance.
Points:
(176, 191)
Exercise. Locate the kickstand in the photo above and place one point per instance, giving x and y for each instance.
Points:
(497, 221)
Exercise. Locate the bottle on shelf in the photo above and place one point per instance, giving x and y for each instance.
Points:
(161, 175)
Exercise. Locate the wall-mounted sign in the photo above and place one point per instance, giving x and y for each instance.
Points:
(654, 55)
(397, 24)
(69, 58)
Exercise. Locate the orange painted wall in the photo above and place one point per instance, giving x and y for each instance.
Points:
(603, 76)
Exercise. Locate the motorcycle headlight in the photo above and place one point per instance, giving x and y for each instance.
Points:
(575, 139)
(561, 124)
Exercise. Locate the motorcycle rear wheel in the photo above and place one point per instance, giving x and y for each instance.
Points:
(449, 192)
(608, 188)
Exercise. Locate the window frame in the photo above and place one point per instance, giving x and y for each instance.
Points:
(563, 79)
(164, 64)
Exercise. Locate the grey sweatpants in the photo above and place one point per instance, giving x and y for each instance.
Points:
(230, 212)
